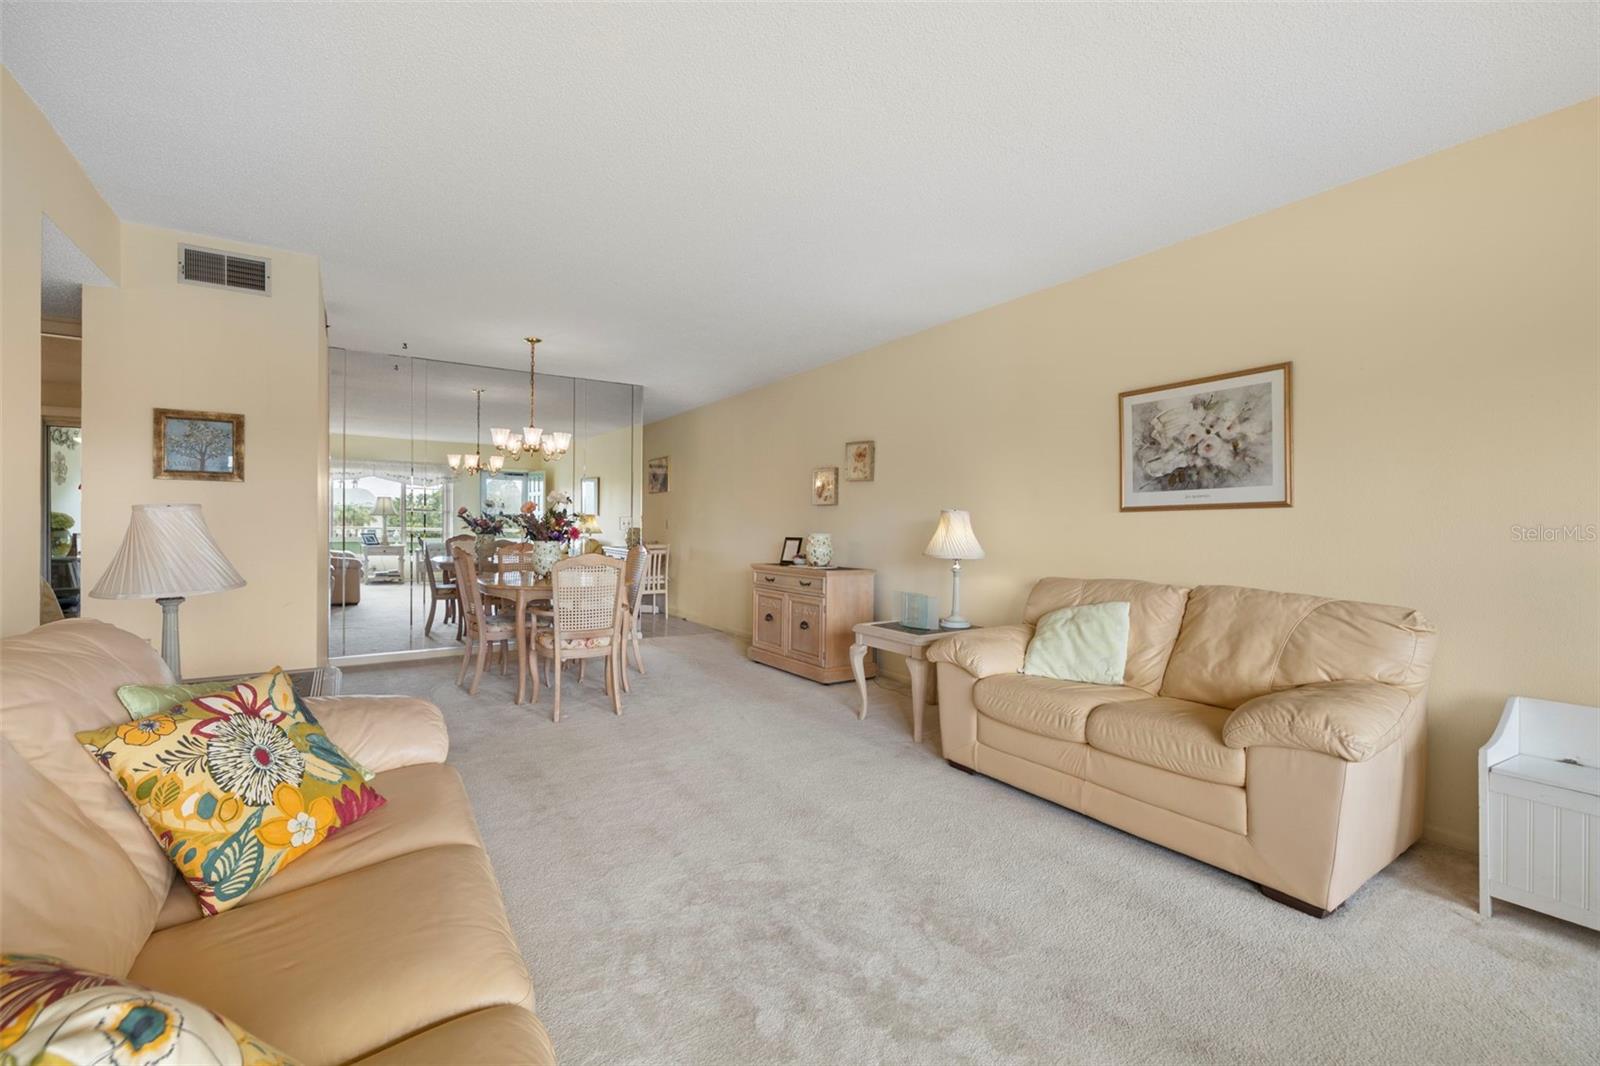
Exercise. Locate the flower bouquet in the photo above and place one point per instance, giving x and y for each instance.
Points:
(485, 526)
(550, 533)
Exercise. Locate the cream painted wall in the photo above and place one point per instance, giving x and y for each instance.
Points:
(155, 342)
(38, 177)
(1442, 322)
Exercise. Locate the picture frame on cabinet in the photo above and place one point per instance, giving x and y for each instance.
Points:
(793, 552)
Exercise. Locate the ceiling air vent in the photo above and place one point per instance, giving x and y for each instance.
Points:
(203, 266)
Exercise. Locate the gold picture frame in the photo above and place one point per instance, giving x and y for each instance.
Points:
(198, 445)
(1209, 443)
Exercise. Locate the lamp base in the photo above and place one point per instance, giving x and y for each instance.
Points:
(954, 622)
(169, 635)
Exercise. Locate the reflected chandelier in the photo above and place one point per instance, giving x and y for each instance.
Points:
(550, 444)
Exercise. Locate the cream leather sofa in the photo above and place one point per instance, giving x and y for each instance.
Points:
(387, 944)
(1277, 736)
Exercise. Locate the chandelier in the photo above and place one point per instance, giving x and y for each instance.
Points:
(474, 462)
(549, 443)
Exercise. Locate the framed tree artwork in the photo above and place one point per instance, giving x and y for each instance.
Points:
(198, 445)
(1219, 441)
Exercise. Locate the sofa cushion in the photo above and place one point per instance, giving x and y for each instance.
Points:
(235, 785)
(1045, 706)
(347, 966)
(1154, 614)
(383, 732)
(1240, 643)
(68, 891)
(1176, 735)
(59, 680)
(425, 806)
(506, 1036)
(54, 1013)
(1087, 643)
(1350, 720)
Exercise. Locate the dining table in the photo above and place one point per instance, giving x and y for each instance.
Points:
(522, 589)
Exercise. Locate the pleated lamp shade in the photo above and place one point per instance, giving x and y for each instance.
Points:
(954, 539)
(167, 551)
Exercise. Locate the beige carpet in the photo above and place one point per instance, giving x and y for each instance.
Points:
(738, 871)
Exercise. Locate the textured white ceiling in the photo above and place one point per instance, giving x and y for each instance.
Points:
(63, 272)
(704, 198)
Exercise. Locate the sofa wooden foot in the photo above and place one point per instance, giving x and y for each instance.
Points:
(1289, 901)
(958, 766)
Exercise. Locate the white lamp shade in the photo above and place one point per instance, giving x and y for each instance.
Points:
(385, 507)
(954, 538)
(167, 551)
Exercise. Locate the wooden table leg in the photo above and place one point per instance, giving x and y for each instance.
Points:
(858, 658)
(919, 694)
(522, 648)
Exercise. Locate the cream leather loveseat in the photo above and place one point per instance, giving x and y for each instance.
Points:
(1277, 736)
(386, 944)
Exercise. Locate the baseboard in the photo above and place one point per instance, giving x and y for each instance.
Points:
(1450, 838)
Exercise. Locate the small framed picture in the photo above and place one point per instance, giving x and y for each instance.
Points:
(793, 552)
(825, 486)
(589, 496)
(198, 445)
(656, 475)
(860, 459)
(1219, 441)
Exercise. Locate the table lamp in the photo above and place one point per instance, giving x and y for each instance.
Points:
(385, 509)
(167, 554)
(954, 539)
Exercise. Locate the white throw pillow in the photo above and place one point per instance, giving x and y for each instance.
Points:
(1087, 643)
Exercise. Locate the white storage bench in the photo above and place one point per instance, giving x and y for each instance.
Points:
(1539, 810)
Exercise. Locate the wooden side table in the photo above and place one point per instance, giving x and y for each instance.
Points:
(902, 640)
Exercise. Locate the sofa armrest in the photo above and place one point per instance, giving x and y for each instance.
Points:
(383, 732)
(984, 652)
(1350, 720)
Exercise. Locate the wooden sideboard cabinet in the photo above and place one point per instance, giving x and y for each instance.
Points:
(803, 619)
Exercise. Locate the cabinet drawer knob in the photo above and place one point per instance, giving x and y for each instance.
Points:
(805, 625)
(769, 618)
(769, 578)
(804, 582)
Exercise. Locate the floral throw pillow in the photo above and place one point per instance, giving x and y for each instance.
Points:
(52, 1013)
(145, 700)
(235, 785)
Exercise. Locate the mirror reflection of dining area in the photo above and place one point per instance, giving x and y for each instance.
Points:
(413, 441)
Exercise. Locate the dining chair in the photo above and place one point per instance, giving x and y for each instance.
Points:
(656, 584)
(482, 628)
(633, 584)
(440, 589)
(584, 622)
(514, 556)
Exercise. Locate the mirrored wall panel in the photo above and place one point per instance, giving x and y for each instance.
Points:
(401, 432)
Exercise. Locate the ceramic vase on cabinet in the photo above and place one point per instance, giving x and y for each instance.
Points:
(819, 549)
(546, 554)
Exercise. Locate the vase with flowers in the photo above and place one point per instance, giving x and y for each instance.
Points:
(550, 533)
(484, 528)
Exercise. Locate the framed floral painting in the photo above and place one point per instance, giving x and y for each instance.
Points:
(860, 460)
(825, 486)
(1220, 441)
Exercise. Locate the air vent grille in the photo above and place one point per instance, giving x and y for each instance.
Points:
(204, 266)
